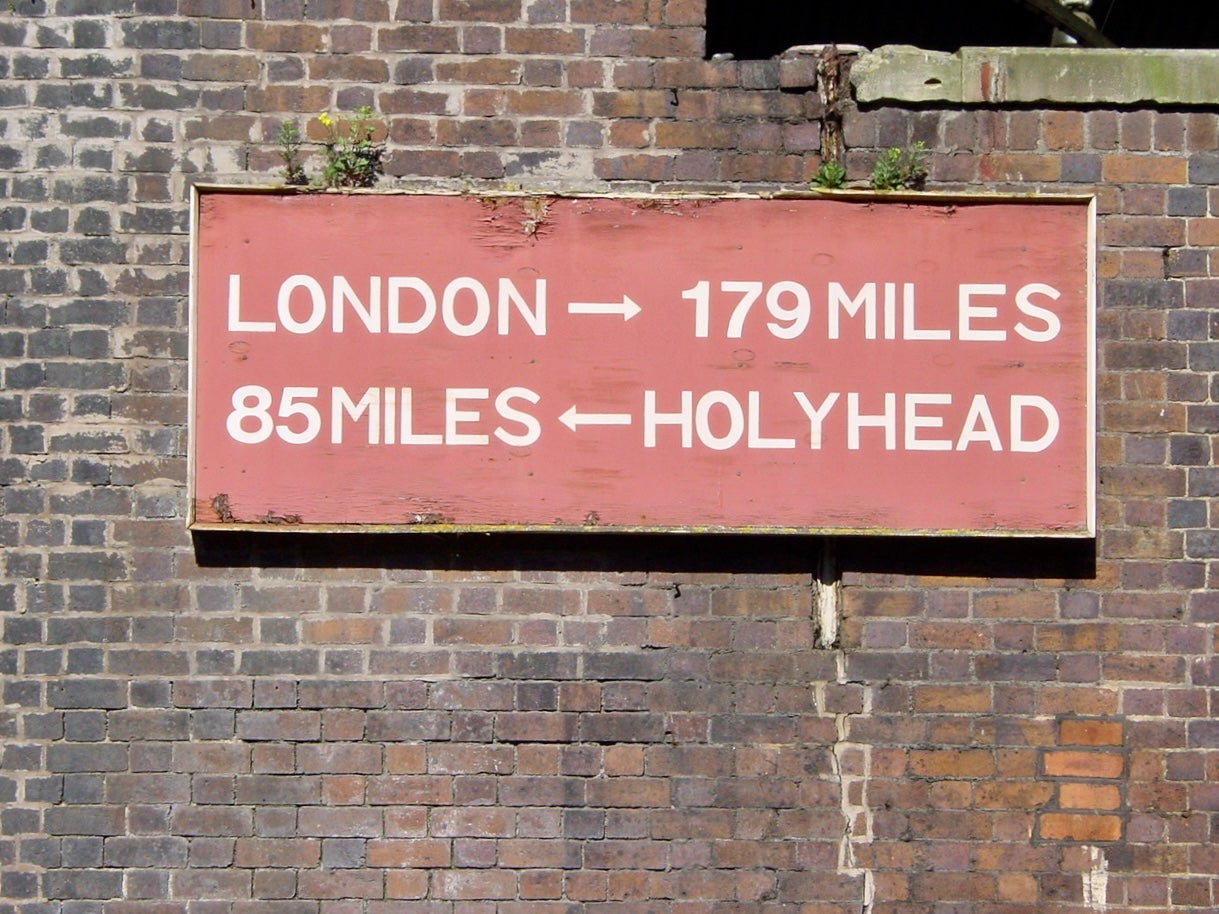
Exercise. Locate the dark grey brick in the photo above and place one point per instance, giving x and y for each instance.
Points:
(17, 820)
(91, 405)
(165, 33)
(1187, 262)
(80, 757)
(81, 850)
(23, 630)
(89, 443)
(90, 33)
(55, 96)
(95, 7)
(344, 853)
(43, 663)
(1204, 482)
(65, 884)
(24, 376)
(86, 94)
(92, 220)
(86, 820)
(54, 470)
(27, 439)
(85, 376)
(88, 566)
(1189, 450)
(1184, 512)
(94, 250)
(40, 532)
(12, 470)
(1187, 201)
(90, 189)
(213, 723)
(99, 312)
(17, 885)
(45, 598)
(1080, 168)
(146, 851)
(1142, 293)
(44, 790)
(88, 693)
(1188, 325)
(302, 662)
(48, 344)
(84, 726)
(1204, 168)
(92, 472)
(26, 694)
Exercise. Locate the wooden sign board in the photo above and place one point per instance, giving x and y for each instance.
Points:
(841, 364)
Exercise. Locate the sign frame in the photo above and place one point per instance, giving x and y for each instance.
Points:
(434, 524)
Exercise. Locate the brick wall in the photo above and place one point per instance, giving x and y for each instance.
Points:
(326, 725)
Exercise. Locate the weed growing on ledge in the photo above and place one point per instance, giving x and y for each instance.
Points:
(352, 158)
(830, 175)
(288, 141)
(901, 169)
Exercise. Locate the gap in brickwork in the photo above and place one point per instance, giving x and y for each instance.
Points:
(741, 30)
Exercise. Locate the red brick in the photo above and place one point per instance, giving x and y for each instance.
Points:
(324, 884)
(480, 10)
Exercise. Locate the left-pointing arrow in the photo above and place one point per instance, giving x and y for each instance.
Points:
(627, 307)
(573, 420)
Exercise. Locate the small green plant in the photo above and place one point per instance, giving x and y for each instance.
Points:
(830, 175)
(901, 169)
(288, 140)
(352, 158)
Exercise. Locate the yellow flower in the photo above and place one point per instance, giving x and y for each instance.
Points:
(324, 117)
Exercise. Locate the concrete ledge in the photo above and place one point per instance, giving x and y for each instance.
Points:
(1038, 75)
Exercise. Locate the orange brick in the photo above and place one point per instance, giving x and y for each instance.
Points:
(956, 763)
(1073, 764)
(624, 760)
(343, 631)
(1027, 167)
(1090, 733)
(1018, 604)
(946, 636)
(409, 854)
(1061, 826)
(406, 884)
(1136, 169)
(1203, 232)
(405, 759)
(1013, 795)
(1017, 887)
(1089, 796)
(343, 790)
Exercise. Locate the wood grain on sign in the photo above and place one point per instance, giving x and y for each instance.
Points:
(915, 365)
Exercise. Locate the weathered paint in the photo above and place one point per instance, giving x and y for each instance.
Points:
(602, 305)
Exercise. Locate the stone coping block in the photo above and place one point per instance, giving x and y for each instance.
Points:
(1037, 75)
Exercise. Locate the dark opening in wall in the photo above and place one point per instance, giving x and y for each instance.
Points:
(756, 31)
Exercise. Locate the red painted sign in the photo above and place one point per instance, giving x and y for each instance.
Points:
(842, 364)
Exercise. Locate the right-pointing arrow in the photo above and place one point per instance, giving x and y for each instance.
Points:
(627, 307)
